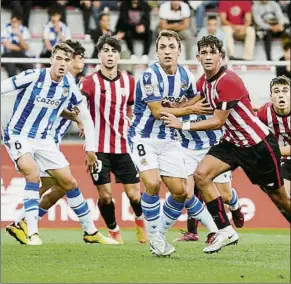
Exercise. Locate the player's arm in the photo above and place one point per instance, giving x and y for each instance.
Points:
(215, 122)
(20, 81)
(70, 115)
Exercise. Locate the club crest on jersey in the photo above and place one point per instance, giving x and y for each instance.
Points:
(149, 90)
(183, 85)
(143, 162)
(65, 92)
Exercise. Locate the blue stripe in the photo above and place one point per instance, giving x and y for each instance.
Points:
(29, 106)
(33, 130)
(184, 79)
(32, 186)
(73, 193)
(81, 210)
(58, 136)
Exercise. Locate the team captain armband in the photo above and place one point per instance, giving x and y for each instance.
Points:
(226, 105)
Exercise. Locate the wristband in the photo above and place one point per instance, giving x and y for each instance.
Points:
(186, 125)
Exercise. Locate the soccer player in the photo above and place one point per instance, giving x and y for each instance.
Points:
(196, 144)
(18, 228)
(155, 150)
(247, 142)
(277, 116)
(42, 96)
(110, 96)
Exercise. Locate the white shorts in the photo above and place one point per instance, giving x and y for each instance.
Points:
(194, 157)
(44, 151)
(163, 154)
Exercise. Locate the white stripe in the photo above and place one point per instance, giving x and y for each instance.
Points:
(106, 116)
(124, 110)
(269, 119)
(117, 149)
(231, 127)
(97, 107)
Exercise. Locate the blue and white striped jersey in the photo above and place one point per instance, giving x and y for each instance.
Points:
(7, 34)
(62, 125)
(39, 102)
(196, 140)
(156, 85)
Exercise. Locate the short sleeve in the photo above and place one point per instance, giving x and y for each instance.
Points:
(186, 11)
(247, 6)
(223, 7)
(262, 114)
(76, 97)
(4, 35)
(199, 85)
(230, 91)
(85, 86)
(192, 90)
(163, 11)
(130, 101)
(26, 34)
(67, 33)
(46, 32)
(149, 87)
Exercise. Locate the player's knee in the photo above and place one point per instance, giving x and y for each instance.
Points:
(153, 186)
(33, 177)
(200, 178)
(180, 196)
(134, 197)
(68, 183)
(105, 199)
(226, 196)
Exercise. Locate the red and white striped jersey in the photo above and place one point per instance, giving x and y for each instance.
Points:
(279, 125)
(226, 91)
(108, 102)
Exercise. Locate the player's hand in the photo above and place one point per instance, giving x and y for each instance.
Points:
(91, 160)
(201, 107)
(171, 120)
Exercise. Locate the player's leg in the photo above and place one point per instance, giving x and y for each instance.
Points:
(230, 197)
(286, 173)
(218, 160)
(79, 205)
(21, 152)
(126, 173)
(145, 157)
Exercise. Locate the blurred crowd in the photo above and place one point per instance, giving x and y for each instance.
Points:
(247, 21)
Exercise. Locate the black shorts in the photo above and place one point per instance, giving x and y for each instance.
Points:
(286, 169)
(120, 165)
(261, 162)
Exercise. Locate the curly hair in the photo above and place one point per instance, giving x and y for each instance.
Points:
(211, 41)
(111, 40)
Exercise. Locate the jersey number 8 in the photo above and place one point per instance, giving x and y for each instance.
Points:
(141, 150)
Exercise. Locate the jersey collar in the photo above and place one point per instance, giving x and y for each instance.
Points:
(216, 76)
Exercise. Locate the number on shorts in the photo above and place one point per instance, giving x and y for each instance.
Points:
(141, 150)
(17, 145)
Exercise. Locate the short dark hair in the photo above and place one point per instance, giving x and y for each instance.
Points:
(287, 45)
(280, 80)
(111, 40)
(102, 15)
(168, 33)
(77, 46)
(53, 10)
(211, 41)
(211, 17)
(17, 15)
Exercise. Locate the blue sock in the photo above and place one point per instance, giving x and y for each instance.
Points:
(196, 210)
(172, 210)
(79, 205)
(151, 210)
(31, 205)
(194, 206)
(233, 203)
(41, 213)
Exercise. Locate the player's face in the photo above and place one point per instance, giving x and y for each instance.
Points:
(281, 96)
(61, 63)
(212, 26)
(78, 63)
(15, 23)
(109, 56)
(210, 58)
(168, 51)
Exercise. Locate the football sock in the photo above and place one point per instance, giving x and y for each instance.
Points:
(172, 210)
(216, 209)
(136, 207)
(192, 225)
(31, 205)
(151, 210)
(79, 205)
(197, 210)
(108, 214)
(41, 213)
(233, 203)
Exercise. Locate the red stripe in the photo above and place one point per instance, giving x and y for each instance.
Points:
(275, 163)
(122, 118)
(112, 116)
(220, 210)
(275, 123)
(287, 136)
(238, 128)
(102, 119)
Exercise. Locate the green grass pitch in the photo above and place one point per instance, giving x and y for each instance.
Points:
(260, 256)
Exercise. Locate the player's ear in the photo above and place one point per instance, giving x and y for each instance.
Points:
(198, 57)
